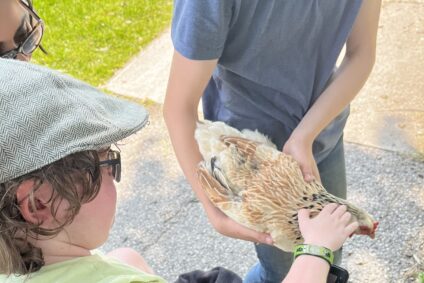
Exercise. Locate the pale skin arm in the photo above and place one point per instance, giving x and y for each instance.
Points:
(187, 81)
(346, 83)
(306, 269)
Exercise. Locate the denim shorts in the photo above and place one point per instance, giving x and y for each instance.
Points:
(274, 264)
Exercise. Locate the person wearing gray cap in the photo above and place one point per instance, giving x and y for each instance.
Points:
(57, 172)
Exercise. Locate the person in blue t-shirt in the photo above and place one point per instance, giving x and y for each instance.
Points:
(271, 66)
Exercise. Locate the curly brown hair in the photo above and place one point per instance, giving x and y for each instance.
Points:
(75, 178)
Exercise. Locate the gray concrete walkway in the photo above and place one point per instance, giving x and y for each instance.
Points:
(159, 215)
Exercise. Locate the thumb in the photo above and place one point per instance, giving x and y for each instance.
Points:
(258, 237)
(307, 173)
(262, 238)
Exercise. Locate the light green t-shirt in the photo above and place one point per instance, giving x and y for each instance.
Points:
(96, 268)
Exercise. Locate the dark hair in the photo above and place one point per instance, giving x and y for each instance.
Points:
(75, 179)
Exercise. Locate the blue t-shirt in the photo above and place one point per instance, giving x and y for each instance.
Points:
(275, 58)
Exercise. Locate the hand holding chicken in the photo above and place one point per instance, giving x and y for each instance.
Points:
(260, 187)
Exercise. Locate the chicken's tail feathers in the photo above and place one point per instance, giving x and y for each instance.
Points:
(208, 136)
(214, 130)
(258, 137)
(244, 146)
(213, 189)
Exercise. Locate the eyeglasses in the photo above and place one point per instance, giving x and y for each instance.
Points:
(114, 160)
(32, 41)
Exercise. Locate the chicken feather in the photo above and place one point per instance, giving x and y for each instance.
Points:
(252, 182)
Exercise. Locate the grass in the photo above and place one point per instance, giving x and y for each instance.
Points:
(90, 40)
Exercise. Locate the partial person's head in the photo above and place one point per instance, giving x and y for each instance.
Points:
(57, 168)
(21, 29)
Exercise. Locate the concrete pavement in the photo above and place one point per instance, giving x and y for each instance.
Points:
(159, 215)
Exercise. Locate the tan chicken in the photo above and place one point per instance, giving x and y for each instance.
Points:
(260, 187)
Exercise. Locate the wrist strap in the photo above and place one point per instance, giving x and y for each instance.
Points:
(321, 252)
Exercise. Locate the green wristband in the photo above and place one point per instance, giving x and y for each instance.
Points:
(321, 252)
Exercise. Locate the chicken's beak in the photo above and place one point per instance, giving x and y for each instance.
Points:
(375, 225)
(372, 234)
(374, 228)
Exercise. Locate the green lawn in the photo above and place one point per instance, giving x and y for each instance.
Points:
(91, 39)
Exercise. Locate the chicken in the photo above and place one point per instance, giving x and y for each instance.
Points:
(254, 183)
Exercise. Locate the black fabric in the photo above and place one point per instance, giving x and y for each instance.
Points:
(216, 275)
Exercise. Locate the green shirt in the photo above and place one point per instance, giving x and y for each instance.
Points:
(89, 269)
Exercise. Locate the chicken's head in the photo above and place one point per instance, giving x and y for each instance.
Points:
(367, 224)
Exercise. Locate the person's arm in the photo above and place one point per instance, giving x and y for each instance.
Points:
(187, 81)
(329, 229)
(347, 81)
(308, 268)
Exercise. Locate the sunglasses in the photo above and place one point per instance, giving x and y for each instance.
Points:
(114, 160)
(33, 39)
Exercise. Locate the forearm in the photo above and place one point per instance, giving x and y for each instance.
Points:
(350, 77)
(345, 85)
(306, 269)
(186, 84)
(181, 125)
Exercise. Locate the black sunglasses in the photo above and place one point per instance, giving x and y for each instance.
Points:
(33, 39)
(114, 160)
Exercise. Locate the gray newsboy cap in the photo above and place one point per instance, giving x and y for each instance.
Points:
(45, 116)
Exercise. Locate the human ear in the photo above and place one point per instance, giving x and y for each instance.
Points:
(34, 202)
